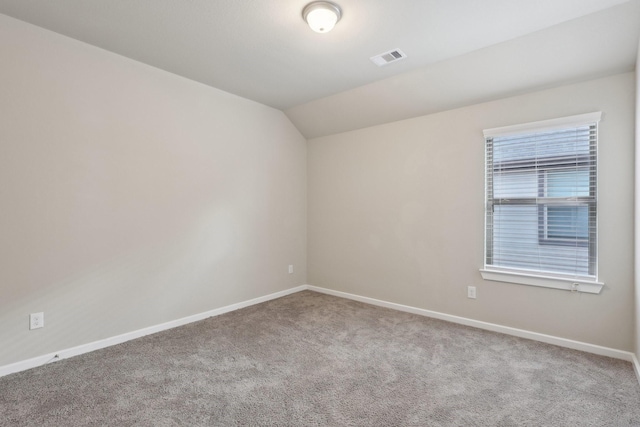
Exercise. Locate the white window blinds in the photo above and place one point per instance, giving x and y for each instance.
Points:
(541, 198)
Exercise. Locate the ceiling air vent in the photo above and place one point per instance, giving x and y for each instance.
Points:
(388, 57)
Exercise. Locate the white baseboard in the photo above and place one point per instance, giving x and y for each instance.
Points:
(636, 366)
(549, 339)
(96, 345)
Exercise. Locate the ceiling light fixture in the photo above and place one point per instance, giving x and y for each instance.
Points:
(321, 16)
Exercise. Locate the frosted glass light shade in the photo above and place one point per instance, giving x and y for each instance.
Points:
(321, 16)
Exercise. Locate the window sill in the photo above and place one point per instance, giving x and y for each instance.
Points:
(590, 287)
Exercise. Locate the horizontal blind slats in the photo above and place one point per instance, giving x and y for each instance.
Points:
(541, 201)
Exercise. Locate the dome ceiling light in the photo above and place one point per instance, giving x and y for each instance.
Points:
(321, 16)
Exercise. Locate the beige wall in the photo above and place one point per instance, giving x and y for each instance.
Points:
(132, 197)
(395, 212)
(637, 212)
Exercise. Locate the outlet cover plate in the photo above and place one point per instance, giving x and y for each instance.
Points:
(36, 320)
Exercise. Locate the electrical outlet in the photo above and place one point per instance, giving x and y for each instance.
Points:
(471, 292)
(291, 269)
(36, 320)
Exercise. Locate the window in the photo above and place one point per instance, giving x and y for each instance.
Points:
(541, 203)
(566, 224)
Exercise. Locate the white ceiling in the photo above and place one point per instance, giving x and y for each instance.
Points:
(459, 51)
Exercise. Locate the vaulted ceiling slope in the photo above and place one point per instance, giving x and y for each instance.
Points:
(459, 51)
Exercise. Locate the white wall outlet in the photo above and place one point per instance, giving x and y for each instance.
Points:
(291, 269)
(471, 292)
(36, 320)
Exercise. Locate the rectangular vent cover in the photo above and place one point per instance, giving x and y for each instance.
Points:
(388, 57)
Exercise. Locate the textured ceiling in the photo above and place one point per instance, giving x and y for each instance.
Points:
(262, 50)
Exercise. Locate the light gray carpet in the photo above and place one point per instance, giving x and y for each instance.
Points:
(311, 359)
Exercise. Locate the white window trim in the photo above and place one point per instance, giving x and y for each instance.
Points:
(534, 278)
(544, 125)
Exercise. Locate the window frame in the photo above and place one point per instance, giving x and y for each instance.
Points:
(554, 280)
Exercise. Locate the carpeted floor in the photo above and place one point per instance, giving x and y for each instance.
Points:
(310, 359)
